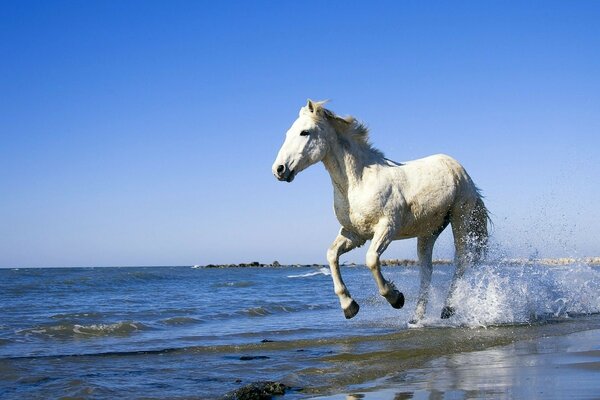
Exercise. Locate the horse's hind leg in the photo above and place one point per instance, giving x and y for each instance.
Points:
(470, 237)
(461, 261)
(425, 251)
(343, 243)
(381, 240)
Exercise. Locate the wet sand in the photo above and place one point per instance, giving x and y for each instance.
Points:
(553, 367)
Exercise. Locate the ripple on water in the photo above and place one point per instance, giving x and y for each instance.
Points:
(239, 284)
(181, 321)
(78, 315)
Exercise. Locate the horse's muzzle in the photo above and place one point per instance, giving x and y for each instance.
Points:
(283, 173)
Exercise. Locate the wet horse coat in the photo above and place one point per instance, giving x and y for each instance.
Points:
(380, 200)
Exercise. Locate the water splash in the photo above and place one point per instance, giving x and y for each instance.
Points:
(499, 295)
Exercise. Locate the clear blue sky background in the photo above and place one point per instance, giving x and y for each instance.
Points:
(143, 133)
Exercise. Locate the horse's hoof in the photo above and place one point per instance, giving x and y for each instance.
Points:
(415, 323)
(447, 312)
(351, 310)
(399, 302)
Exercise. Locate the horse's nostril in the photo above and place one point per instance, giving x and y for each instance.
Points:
(280, 169)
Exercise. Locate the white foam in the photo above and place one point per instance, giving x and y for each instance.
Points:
(321, 271)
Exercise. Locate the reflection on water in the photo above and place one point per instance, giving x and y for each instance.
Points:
(556, 367)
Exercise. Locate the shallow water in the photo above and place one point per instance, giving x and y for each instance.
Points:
(180, 332)
(554, 367)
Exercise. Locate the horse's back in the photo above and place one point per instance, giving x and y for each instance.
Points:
(438, 175)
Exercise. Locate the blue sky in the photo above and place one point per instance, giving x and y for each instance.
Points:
(143, 133)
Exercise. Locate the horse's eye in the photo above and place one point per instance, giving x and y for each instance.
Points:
(304, 133)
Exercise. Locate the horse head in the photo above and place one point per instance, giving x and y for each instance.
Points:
(306, 142)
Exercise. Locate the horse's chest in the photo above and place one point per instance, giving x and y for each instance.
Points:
(355, 216)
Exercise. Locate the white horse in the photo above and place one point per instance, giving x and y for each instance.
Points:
(380, 200)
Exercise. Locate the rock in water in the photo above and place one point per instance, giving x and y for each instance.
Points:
(248, 358)
(258, 391)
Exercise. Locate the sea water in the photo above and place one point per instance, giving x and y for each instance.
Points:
(182, 332)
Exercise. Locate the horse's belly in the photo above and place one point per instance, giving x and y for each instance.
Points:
(431, 224)
(411, 232)
(363, 227)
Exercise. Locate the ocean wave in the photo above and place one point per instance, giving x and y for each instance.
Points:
(68, 330)
(321, 271)
(264, 311)
(276, 308)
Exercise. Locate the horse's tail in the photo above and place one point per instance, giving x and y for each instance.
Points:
(470, 227)
(479, 229)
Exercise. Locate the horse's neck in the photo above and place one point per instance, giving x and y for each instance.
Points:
(346, 162)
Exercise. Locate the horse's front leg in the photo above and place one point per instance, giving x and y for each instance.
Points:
(343, 243)
(382, 237)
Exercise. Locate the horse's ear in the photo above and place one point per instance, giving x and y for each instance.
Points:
(310, 105)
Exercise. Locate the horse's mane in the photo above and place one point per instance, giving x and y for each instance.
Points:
(349, 127)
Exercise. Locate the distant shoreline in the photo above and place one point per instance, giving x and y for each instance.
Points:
(404, 262)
